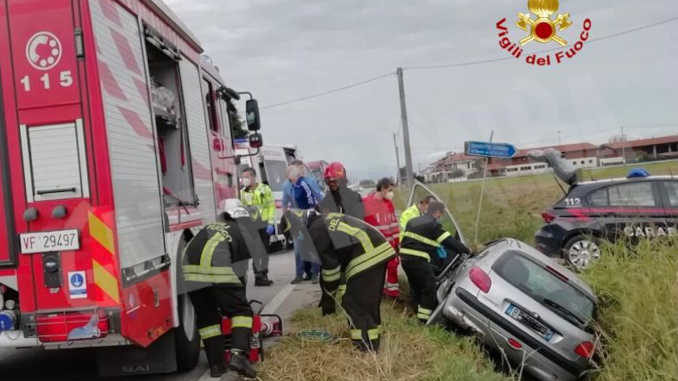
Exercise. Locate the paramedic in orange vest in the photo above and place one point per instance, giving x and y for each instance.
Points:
(380, 213)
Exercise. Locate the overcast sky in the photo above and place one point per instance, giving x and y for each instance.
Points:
(286, 49)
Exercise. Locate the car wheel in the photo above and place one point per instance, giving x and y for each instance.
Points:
(582, 251)
(187, 339)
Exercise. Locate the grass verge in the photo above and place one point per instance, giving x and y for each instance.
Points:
(409, 351)
(638, 315)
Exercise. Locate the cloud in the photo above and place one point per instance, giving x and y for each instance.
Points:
(285, 49)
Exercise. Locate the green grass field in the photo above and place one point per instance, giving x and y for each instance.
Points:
(637, 322)
(512, 206)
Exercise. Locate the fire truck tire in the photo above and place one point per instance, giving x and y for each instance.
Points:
(187, 339)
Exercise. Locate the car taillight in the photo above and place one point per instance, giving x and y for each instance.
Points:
(514, 343)
(584, 349)
(548, 217)
(480, 279)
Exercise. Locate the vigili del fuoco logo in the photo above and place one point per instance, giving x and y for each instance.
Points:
(543, 25)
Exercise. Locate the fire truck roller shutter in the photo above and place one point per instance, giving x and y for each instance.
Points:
(134, 169)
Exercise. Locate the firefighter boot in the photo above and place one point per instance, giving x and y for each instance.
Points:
(214, 348)
(241, 364)
(261, 279)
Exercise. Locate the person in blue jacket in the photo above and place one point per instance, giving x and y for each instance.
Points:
(301, 192)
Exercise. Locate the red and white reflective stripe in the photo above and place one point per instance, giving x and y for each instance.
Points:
(387, 227)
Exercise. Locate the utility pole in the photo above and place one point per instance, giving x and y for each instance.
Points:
(623, 139)
(395, 143)
(559, 142)
(482, 193)
(406, 130)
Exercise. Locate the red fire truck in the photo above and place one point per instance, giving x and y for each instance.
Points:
(115, 148)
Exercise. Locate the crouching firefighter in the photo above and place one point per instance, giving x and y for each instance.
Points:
(351, 251)
(216, 290)
(422, 241)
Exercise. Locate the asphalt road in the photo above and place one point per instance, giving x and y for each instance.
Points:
(70, 365)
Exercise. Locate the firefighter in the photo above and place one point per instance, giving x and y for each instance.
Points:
(380, 213)
(260, 197)
(413, 211)
(423, 237)
(351, 250)
(216, 289)
(340, 199)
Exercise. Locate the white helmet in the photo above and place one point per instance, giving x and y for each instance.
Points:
(235, 209)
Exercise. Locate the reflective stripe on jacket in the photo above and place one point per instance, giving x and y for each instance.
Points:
(380, 213)
(209, 256)
(347, 246)
(408, 214)
(423, 237)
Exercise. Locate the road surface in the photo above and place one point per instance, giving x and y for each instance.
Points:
(71, 365)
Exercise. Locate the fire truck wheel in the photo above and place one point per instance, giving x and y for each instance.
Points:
(186, 336)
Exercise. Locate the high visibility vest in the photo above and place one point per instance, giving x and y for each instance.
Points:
(260, 197)
(408, 214)
(209, 256)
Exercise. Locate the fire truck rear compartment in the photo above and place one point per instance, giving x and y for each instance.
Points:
(177, 184)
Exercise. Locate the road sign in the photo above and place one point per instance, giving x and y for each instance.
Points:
(486, 149)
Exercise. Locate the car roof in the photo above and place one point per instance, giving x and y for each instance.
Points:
(537, 256)
(587, 186)
(625, 180)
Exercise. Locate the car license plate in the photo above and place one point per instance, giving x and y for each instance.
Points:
(529, 321)
(43, 242)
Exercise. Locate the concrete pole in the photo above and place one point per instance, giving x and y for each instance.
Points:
(623, 139)
(406, 130)
(395, 144)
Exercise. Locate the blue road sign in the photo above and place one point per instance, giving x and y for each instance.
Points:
(486, 149)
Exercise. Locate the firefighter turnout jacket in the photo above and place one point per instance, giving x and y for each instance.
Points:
(406, 216)
(418, 251)
(343, 200)
(209, 256)
(216, 289)
(260, 197)
(351, 251)
(424, 235)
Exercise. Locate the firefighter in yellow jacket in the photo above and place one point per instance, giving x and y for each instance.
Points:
(416, 210)
(216, 289)
(419, 247)
(260, 197)
(350, 251)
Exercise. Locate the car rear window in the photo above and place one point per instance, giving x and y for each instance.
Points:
(540, 284)
(632, 194)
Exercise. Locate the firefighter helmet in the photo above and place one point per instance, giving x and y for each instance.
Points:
(335, 171)
(235, 208)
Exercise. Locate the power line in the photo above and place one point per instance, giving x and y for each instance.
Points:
(460, 64)
(498, 59)
(328, 92)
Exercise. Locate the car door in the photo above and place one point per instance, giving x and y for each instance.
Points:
(418, 192)
(671, 206)
(630, 209)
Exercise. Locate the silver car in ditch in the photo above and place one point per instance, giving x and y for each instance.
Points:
(536, 312)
